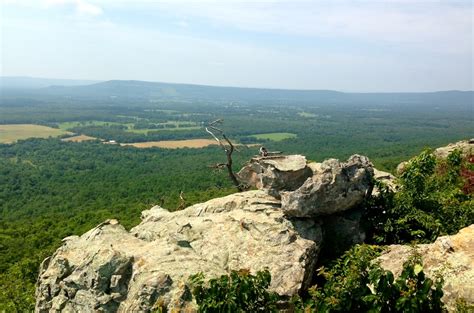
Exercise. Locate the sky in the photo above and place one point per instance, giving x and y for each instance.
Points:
(351, 45)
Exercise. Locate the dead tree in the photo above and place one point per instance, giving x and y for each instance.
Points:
(228, 148)
(182, 201)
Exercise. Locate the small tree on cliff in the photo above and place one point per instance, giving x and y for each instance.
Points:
(228, 148)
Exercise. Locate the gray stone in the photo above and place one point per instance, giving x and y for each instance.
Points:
(465, 146)
(110, 269)
(275, 173)
(334, 187)
(387, 179)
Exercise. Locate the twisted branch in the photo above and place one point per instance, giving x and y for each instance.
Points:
(228, 149)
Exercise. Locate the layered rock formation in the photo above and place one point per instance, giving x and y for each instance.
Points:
(276, 173)
(334, 187)
(452, 257)
(110, 269)
(299, 209)
(279, 227)
(465, 146)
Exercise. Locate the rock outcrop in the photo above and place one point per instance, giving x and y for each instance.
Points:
(275, 173)
(334, 187)
(465, 146)
(450, 256)
(387, 179)
(111, 269)
(299, 209)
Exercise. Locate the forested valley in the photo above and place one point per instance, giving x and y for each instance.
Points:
(51, 189)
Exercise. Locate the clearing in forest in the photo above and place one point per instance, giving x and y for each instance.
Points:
(174, 144)
(10, 133)
(79, 138)
(71, 125)
(274, 136)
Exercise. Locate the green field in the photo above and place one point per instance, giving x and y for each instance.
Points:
(274, 136)
(71, 125)
(145, 131)
(307, 114)
(130, 126)
(10, 133)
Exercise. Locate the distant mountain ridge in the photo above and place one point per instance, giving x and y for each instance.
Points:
(144, 90)
(24, 82)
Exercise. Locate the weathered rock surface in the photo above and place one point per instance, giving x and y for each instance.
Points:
(451, 256)
(334, 187)
(387, 179)
(279, 227)
(465, 146)
(110, 269)
(275, 173)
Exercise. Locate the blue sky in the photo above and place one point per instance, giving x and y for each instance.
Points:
(384, 45)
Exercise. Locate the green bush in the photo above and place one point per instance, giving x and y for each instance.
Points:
(355, 283)
(431, 202)
(238, 292)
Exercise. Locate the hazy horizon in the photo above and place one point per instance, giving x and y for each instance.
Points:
(85, 82)
(351, 46)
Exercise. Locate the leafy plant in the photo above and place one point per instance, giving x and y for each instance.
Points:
(412, 291)
(431, 201)
(355, 283)
(344, 282)
(238, 292)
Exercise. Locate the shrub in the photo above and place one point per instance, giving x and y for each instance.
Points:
(431, 201)
(238, 292)
(355, 283)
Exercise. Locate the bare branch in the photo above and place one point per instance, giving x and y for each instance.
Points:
(229, 149)
(212, 134)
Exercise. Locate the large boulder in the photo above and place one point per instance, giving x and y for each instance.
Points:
(275, 173)
(111, 269)
(334, 187)
(450, 256)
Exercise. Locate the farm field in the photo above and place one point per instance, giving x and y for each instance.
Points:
(146, 130)
(78, 138)
(174, 144)
(274, 136)
(10, 133)
(306, 114)
(71, 125)
(131, 127)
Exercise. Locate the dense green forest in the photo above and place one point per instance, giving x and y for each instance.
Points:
(50, 189)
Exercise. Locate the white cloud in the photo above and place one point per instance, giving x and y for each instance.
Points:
(429, 25)
(366, 46)
(83, 7)
(80, 7)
